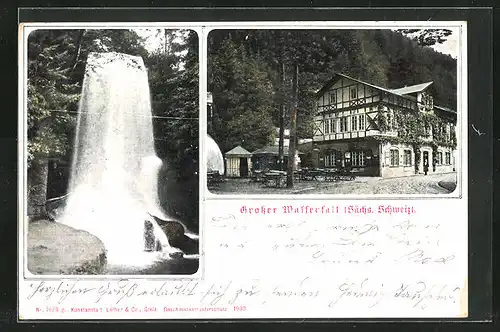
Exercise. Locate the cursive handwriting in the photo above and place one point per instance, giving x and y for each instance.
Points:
(61, 290)
(363, 291)
(360, 290)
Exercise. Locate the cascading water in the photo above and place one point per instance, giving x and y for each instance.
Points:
(113, 183)
(215, 160)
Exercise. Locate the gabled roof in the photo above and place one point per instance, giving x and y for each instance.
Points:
(402, 93)
(411, 88)
(338, 76)
(239, 151)
(446, 109)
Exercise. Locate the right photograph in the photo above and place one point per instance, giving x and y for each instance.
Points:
(358, 111)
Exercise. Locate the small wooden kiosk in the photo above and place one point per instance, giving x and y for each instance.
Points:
(238, 162)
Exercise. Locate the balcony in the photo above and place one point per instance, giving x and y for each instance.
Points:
(353, 134)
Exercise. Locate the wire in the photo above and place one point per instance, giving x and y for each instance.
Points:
(152, 116)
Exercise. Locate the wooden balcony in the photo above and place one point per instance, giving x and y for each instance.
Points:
(353, 134)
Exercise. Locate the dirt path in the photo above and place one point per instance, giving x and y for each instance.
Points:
(418, 184)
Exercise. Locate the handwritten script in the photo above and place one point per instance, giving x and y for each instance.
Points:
(418, 293)
(327, 262)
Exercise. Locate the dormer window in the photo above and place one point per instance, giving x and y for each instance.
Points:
(354, 93)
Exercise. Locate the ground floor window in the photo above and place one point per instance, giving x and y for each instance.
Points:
(440, 158)
(358, 158)
(394, 157)
(330, 159)
(447, 158)
(407, 158)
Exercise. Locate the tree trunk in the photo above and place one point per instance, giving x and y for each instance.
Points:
(78, 50)
(293, 128)
(37, 187)
(282, 117)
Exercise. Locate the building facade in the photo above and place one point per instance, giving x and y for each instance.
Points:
(382, 132)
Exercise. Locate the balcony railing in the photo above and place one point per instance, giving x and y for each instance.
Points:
(353, 134)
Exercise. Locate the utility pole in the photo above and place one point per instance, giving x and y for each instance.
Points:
(293, 127)
(282, 116)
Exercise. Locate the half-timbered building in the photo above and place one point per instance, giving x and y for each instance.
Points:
(382, 132)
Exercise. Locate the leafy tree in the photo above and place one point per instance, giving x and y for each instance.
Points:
(174, 85)
(427, 37)
(243, 96)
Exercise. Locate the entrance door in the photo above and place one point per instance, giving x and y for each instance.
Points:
(243, 167)
(425, 161)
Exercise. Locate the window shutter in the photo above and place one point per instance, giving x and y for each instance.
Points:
(401, 156)
(387, 157)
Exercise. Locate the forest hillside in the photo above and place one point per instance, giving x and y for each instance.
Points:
(249, 74)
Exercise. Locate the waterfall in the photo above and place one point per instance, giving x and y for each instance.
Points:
(113, 183)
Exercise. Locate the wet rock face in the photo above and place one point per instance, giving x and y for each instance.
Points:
(149, 236)
(176, 237)
(174, 231)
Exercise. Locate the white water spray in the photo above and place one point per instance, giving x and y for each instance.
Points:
(113, 184)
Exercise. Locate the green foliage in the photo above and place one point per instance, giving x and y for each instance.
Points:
(243, 98)
(50, 91)
(427, 37)
(412, 128)
(174, 95)
(382, 120)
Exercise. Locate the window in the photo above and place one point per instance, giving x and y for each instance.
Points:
(330, 159)
(343, 124)
(358, 122)
(447, 158)
(333, 98)
(407, 158)
(362, 122)
(327, 126)
(354, 123)
(358, 158)
(333, 123)
(354, 93)
(440, 158)
(427, 130)
(394, 157)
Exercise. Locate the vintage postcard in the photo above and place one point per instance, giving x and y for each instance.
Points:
(248, 170)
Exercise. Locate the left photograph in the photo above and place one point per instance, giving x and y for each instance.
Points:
(110, 151)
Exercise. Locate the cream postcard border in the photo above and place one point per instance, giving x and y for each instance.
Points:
(203, 29)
